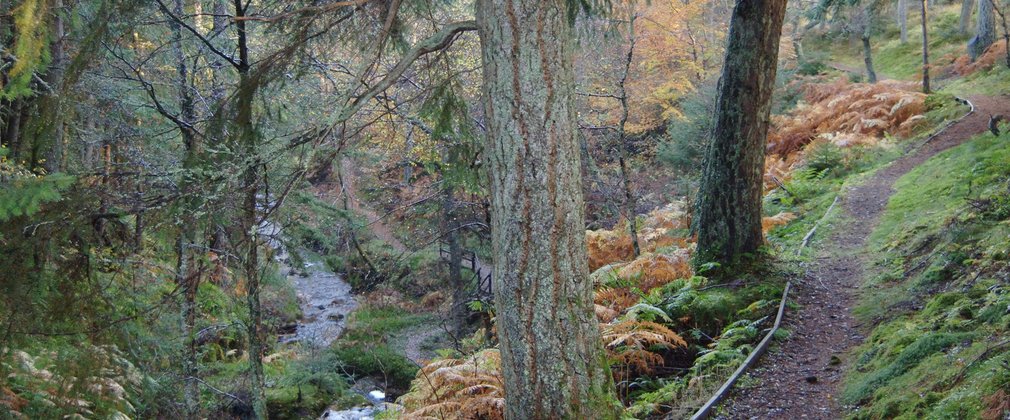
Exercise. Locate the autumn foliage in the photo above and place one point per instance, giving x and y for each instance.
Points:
(631, 345)
(466, 388)
(996, 53)
(845, 115)
(657, 231)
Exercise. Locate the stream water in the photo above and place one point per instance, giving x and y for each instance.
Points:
(326, 302)
(325, 298)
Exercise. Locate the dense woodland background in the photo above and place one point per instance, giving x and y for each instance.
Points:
(180, 180)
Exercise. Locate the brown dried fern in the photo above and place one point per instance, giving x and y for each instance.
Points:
(456, 389)
(631, 345)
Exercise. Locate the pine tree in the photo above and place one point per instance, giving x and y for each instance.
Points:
(553, 363)
(728, 217)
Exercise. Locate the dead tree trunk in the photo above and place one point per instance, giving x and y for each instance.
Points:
(56, 118)
(450, 225)
(797, 39)
(184, 276)
(728, 221)
(250, 186)
(1006, 30)
(622, 138)
(553, 363)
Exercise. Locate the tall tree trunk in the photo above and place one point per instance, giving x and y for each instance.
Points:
(250, 186)
(729, 202)
(871, 75)
(903, 19)
(985, 30)
(629, 197)
(51, 131)
(553, 362)
(187, 280)
(457, 314)
(925, 51)
(966, 8)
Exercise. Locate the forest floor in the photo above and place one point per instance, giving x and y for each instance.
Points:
(414, 348)
(801, 378)
(857, 70)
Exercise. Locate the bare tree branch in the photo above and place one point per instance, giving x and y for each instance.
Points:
(231, 60)
(440, 40)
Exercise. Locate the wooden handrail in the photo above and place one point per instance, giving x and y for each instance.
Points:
(481, 281)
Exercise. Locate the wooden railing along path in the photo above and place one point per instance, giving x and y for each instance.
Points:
(481, 279)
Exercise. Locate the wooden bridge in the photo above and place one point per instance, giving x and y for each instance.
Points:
(480, 282)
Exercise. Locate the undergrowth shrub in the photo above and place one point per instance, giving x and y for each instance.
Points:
(823, 156)
(634, 347)
(811, 68)
(304, 387)
(995, 55)
(381, 361)
(731, 347)
(70, 380)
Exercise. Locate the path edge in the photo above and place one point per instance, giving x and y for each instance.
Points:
(706, 409)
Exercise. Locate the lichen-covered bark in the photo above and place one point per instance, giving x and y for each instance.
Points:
(729, 204)
(871, 75)
(553, 363)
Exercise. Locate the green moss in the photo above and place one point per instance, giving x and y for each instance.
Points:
(932, 192)
(935, 300)
(367, 349)
(992, 81)
(293, 402)
(928, 345)
(377, 360)
(370, 323)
